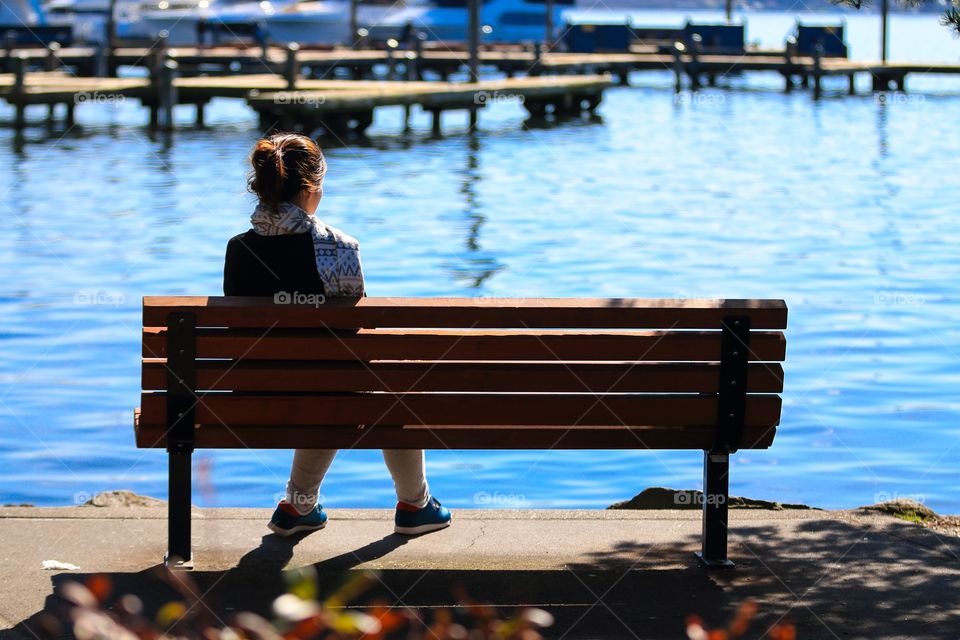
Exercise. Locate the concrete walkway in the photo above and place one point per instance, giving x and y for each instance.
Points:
(603, 574)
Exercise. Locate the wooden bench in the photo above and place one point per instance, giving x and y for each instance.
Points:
(461, 373)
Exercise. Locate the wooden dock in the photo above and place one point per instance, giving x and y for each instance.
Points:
(351, 110)
(337, 90)
(334, 107)
(689, 68)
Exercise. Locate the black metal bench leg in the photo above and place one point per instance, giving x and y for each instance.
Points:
(716, 470)
(178, 514)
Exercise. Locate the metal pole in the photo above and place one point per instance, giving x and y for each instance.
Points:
(181, 417)
(473, 35)
(111, 35)
(729, 9)
(178, 509)
(716, 471)
(353, 23)
(884, 10)
(549, 24)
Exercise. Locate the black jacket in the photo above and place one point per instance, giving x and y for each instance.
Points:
(258, 265)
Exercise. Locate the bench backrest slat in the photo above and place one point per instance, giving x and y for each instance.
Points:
(465, 409)
(404, 377)
(520, 344)
(477, 313)
(218, 436)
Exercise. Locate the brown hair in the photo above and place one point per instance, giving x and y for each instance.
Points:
(283, 165)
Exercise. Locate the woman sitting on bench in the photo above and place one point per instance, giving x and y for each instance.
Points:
(289, 250)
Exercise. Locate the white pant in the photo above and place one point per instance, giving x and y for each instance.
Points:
(407, 466)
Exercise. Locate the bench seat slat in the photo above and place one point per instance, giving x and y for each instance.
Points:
(597, 377)
(461, 408)
(466, 345)
(469, 312)
(453, 437)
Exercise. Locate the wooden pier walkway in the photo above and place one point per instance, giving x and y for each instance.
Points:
(333, 106)
(344, 110)
(337, 90)
(689, 68)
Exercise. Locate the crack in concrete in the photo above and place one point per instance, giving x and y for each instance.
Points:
(483, 530)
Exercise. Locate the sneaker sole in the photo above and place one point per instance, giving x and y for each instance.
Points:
(424, 528)
(297, 529)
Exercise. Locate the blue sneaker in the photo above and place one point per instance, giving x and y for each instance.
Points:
(412, 521)
(287, 521)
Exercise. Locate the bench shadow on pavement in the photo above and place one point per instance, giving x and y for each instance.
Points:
(833, 579)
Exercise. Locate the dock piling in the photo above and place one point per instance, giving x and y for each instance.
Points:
(418, 55)
(410, 65)
(291, 68)
(159, 51)
(678, 50)
(473, 36)
(693, 67)
(817, 69)
(51, 62)
(789, 50)
(392, 59)
(166, 94)
(9, 44)
(19, 89)
(101, 62)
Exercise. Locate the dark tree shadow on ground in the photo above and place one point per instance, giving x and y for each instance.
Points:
(831, 578)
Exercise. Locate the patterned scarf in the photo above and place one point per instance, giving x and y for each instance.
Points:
(336, 253)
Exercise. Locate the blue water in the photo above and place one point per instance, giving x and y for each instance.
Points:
(844, 207)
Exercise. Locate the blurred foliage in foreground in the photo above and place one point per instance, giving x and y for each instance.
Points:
(93, 612)
(739, 627)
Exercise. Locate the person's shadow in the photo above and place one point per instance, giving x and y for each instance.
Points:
(262, 574)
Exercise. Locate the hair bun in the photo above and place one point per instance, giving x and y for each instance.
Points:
(283, 165)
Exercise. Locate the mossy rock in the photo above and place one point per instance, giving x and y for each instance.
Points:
(909, 510)
(122, 499)
(664, 498)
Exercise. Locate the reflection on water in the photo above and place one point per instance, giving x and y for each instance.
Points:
(882, 142)
(476, 265)
(843, 207)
